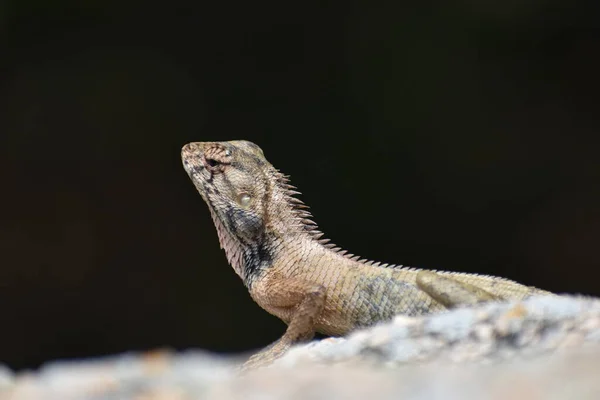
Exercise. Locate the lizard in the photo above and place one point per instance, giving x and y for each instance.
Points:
(292, 272)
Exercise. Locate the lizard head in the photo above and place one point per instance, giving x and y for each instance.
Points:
(250, 201)
(231, 177)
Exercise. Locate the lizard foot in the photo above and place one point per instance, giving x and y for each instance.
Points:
(266, 356)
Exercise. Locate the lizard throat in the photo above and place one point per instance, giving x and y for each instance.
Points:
(232, 247)
(247, 260)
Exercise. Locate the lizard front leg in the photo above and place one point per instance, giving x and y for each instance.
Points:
(451, 292)
(296, 301)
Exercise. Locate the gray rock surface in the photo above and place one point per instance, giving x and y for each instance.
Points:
(486, 334)
(542, 348)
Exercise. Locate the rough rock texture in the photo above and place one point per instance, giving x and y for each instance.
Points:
(486, 334)
(546, 347)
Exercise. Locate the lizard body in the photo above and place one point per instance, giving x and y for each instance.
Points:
(291, 272)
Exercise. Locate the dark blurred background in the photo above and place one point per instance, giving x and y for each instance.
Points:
(457, 135)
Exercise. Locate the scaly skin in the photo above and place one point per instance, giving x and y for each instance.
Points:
(305, 281)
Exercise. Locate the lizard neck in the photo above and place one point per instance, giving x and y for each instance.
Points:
(248, 259)
(229, 243)
(289, 235)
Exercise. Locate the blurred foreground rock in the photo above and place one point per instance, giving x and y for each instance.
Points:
(542, 348)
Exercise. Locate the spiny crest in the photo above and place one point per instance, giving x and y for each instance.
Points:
(304, 218)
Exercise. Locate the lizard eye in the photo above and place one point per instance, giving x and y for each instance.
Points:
(244, 199)
(216, 158)
(211, 162)
(213, 165)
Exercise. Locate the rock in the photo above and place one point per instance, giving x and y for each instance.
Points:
(490, 333)
(545, 347)
(7, 378)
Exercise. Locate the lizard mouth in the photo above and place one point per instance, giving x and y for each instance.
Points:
(191, 158)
